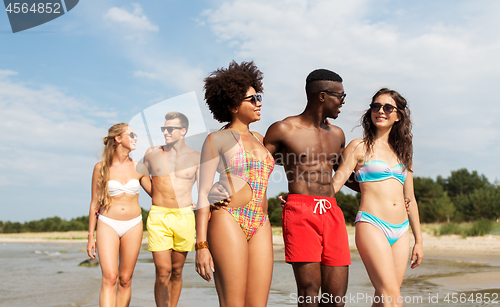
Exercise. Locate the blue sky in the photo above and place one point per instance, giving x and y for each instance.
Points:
(62, 84)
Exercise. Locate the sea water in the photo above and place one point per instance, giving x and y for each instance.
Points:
(47, 274)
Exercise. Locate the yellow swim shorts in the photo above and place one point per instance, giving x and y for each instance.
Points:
(171, 228)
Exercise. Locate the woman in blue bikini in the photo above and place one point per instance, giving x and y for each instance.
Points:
(383, 164)
(115, 196)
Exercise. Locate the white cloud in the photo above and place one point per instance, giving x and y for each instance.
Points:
(48, 136)
(151, 56)
(6, 73)
(145, 74)
(445, 66)
(135, 20)
(170, 72)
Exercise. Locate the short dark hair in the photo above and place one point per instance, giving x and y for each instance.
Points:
(182, 118)
(320, 75)
(323, 74)
(226, 88)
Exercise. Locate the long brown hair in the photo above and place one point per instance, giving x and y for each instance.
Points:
(103, 197)
(400, 137)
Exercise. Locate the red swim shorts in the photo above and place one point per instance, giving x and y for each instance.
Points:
(314, 231)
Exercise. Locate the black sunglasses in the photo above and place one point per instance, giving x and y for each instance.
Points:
(254, 99)
(170, 128)
(388, 108)
(342, 95)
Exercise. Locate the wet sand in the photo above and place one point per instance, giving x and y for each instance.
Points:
(481, 251)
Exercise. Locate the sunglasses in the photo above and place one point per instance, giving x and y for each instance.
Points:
(170, 129)
(342, 95)
(388, 108)
(254, 99)
(132, 135)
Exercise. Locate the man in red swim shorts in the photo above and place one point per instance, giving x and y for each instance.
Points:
(314, 231)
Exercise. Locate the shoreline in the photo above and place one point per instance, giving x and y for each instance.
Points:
(452, 247)
(471, 250)
(52, 237)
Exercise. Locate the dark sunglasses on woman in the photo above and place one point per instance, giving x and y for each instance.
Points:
(254, 99)
(388, 108)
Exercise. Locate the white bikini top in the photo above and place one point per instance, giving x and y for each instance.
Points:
(132, 187)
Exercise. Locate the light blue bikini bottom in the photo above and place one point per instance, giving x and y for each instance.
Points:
(392, 232)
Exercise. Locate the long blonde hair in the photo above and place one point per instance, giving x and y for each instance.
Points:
(103, 197)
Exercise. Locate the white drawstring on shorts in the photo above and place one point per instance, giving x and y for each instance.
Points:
(321, 203)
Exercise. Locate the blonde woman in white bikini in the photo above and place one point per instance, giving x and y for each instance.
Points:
(115, 196)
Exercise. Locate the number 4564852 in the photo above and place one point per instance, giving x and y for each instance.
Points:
(472, 298)
(40, 8)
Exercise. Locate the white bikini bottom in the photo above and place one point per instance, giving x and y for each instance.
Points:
(121, 227)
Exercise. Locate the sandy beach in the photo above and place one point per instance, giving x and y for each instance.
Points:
(481, 251)
(452, 247)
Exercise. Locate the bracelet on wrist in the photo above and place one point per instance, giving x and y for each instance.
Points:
(201, 245)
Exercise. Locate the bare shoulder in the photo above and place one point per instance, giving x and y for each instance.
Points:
(292, 120)
(98, 166)
(220, 136)
(96, 174)
(152, 149)
(282, 126)
(141, 168)
(357, 146)
(138, 163)
(258, 135)
(192, 154)
(336, 130)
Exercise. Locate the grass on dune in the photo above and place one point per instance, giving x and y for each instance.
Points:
(477, 228)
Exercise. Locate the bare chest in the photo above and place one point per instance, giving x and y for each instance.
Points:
(311, 149)
(174, 167)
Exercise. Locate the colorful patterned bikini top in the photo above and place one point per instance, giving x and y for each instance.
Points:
(255, 173)
(377, 170)
(246, 166)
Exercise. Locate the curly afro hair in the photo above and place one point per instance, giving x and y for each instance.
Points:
(226, 88)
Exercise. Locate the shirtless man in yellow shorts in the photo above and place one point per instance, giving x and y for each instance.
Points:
(174, 169)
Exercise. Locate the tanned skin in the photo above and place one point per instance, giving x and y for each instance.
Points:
(309, 148)
(171, 188)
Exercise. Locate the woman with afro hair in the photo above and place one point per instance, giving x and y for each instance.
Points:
(236, 244)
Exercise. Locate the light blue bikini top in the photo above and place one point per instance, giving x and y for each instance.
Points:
(377, 170)
(131, 187)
